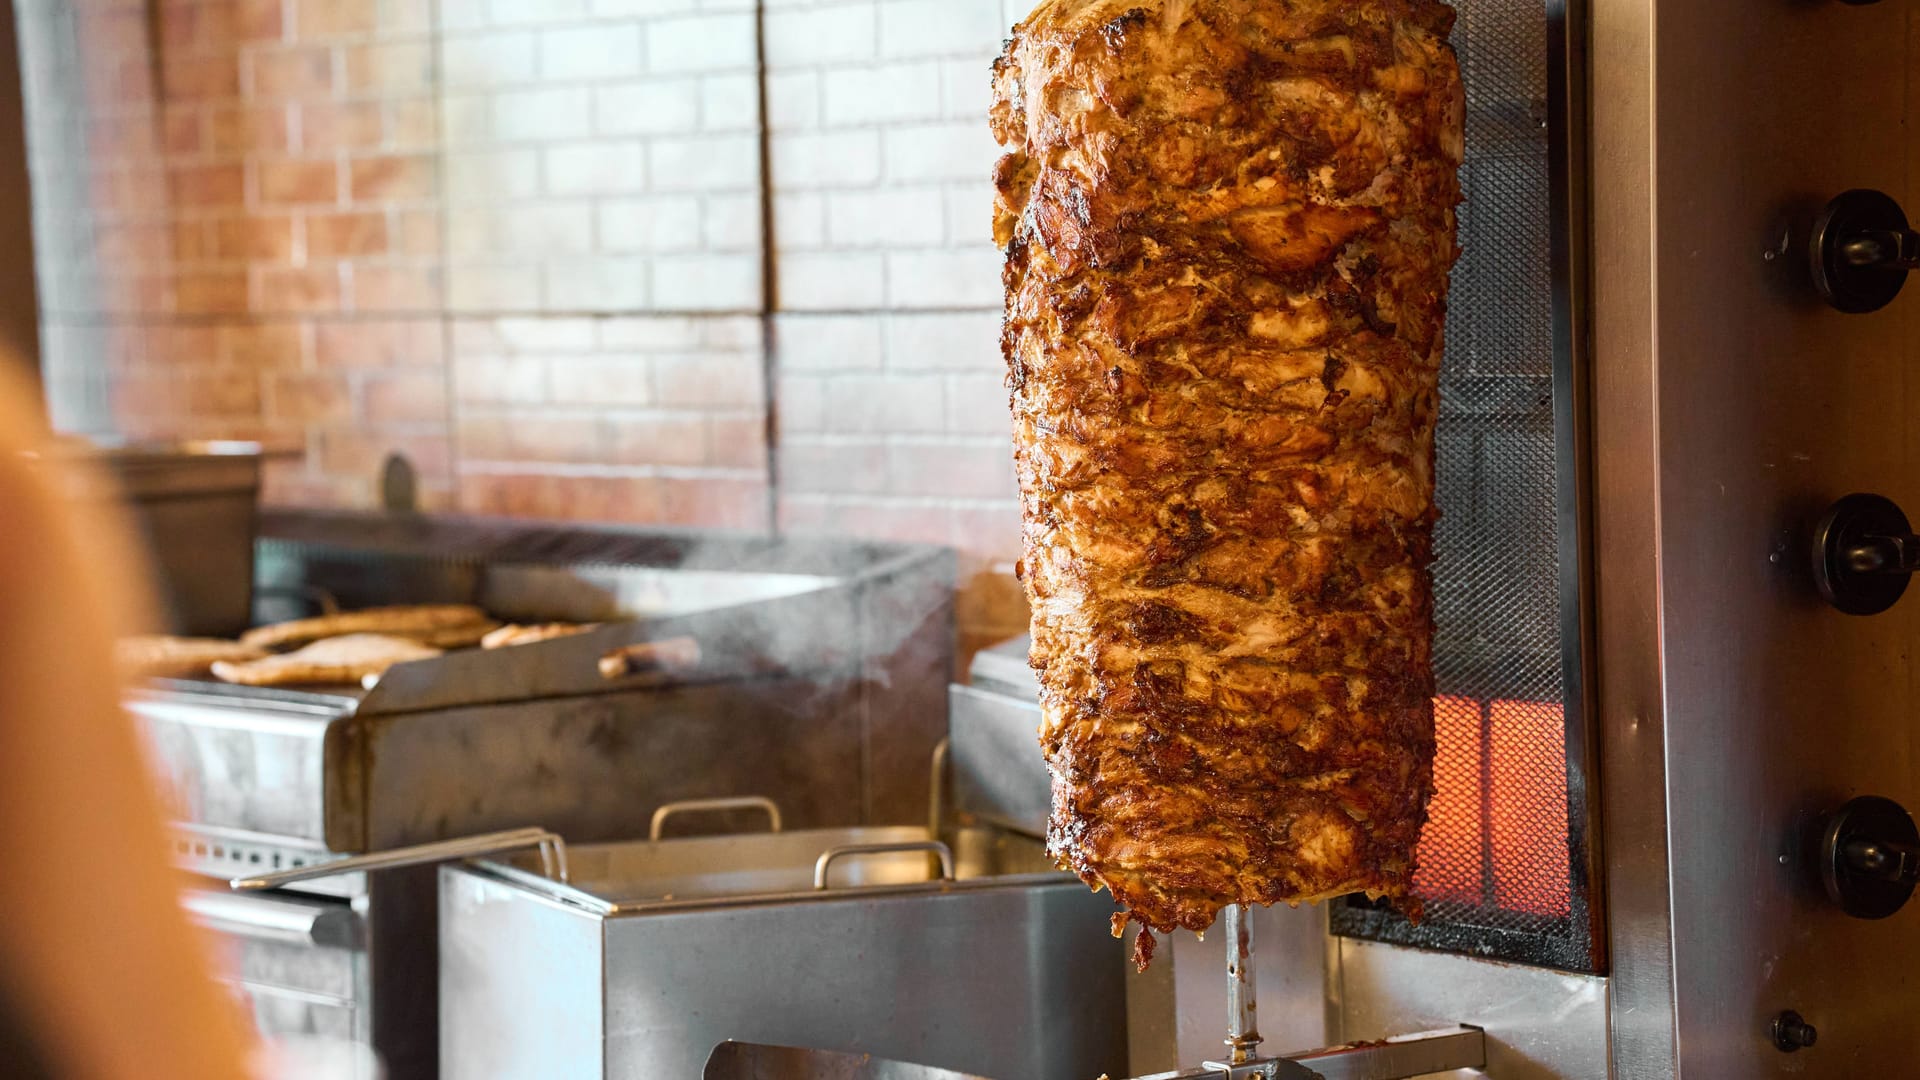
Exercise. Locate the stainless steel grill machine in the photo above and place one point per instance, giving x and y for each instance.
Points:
(1671, 835)
(818, 684)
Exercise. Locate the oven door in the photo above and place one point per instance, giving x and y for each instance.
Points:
(298, 963)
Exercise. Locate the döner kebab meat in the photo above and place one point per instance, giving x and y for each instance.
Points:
(1228, 227)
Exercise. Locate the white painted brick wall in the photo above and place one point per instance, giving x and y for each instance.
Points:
(616, 147)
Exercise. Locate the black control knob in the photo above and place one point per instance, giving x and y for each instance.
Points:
(1791, 1033)
(1869, 857)
(1864, 550)
(1860, 250)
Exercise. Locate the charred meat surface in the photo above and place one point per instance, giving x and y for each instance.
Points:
(1228, 227)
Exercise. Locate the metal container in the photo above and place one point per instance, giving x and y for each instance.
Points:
(657, 952)
(193, 504)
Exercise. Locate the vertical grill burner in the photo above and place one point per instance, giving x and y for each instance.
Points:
(1503, 859)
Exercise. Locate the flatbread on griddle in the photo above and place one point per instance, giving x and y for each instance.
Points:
(345, 659)
(402, 620)
(163, 656)
(528, 633)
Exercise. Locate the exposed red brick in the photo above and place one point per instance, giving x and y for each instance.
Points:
(263, 345)
(299, 181)
(406, 15)
(263, 236)
(200, 78)
(397, 288)
(208, 26)
(357, 452)
(580, 498)
(329, 126)
(300, 72)
(193, 242)
(258, 20)
(378, 343)
(309, 397)
(300, 289)
(714, 502)
(206, 185)
(337, 235)
(247, 129)
(295, 487)
(406, 397)
(211, 292)
(412, 176)
(402, 67)
(182, 131)
(334, 17)
(166, 346)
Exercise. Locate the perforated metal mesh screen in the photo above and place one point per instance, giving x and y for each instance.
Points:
(1498, 862)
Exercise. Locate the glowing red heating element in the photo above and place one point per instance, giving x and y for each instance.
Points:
(1496, 831)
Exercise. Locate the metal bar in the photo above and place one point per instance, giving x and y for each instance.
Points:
(732, 802)
(1243, 1032)
(1463, 1047)
(828, 857)
(441, 851)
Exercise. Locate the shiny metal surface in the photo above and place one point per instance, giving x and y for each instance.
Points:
(658, 823)
(1001, 976)
(608, 878)
(1731, 407)
(553, 858)
(193, 505)
(299, 965)
(298, 920)
(1632, 706)
(1540, 1024)
(998, 773)
(268, 763)
(1399, 1057)
(1243, 1028)
(823, 866)
(757, 1061)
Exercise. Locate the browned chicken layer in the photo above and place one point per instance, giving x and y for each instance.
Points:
(1228, 227)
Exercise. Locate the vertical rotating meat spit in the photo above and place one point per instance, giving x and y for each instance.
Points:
(1462, 1047)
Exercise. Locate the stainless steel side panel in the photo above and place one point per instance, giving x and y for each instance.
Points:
(1755, 706)
(267, 767)
(1004, 981)
(1541, 1024)
(1015, 980)
(299, 965)
(998, 773)
(595, 768)
(520, 984)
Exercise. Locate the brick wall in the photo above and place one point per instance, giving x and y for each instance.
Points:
(520, 241)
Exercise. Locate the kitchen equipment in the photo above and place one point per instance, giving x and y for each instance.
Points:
(818, 685)
(193, 506)
(848, 940)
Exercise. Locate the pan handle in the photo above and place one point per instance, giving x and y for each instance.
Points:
(731, 802)
(934, 847)
(553, 858)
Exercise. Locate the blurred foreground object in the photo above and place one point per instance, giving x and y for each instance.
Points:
(95, 955)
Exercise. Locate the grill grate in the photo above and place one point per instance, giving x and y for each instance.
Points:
(1501, 860)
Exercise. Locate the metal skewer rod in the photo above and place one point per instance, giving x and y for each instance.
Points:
(1243, 1033)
